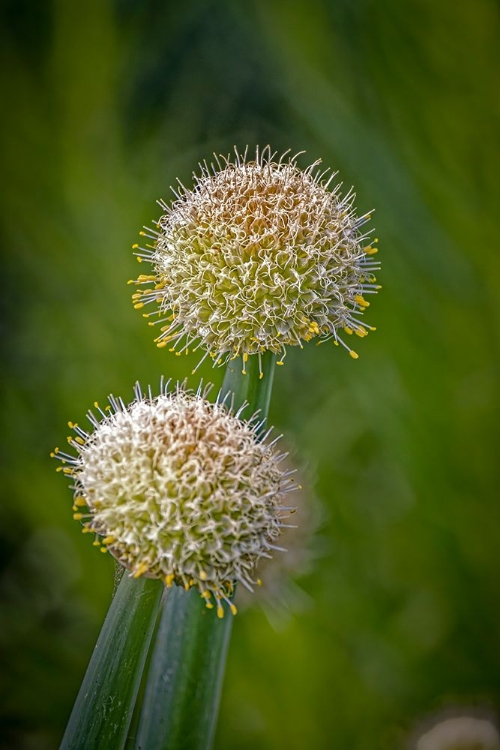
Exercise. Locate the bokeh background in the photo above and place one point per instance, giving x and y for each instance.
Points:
(104, 104)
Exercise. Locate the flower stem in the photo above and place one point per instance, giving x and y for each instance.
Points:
(187, 668)
(103, 709)
(251, 387)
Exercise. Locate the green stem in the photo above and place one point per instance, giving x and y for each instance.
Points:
(251, 387)
(103, 709)
(185, 679)
(183, 689)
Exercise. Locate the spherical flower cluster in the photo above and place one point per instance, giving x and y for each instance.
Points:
(180, 489)
(460, 733)
(258, 255)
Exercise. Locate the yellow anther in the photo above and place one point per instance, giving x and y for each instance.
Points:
(261, 375)
(104, 550)
(134, 247)
(80, 440)
(353, 354)
(203, 575)
(280, 362)
(169, 580)
(361, 332)
(139, 259)
(86, 529)
(96, 543)
(96, 404)
(72, 426)
(161, 344)
(143, 234)
(348, 330)
(108, 540)
(371, 250)
(245, 356)
(361, 301)
(140, 570)
(220, 611)
(209, 605)
(233, 609)
(78, 516)
(138, 305)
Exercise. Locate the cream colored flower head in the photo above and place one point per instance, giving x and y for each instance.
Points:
(460, 733)
(180, 489)
(258, 255)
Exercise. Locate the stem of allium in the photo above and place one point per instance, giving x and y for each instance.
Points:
(251, 387)
(184, 684)
(103, 709)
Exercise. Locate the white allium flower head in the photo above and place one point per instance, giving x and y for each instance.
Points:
(180, 489)
(258, 255)
(461, 733)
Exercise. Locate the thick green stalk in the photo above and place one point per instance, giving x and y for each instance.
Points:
(183, 689)
(251, 387)
(103, 709)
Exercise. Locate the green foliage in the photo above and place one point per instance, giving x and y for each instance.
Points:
(105, 107)
(104, 707)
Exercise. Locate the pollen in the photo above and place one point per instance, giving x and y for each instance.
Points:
(180, 489)
(258, 255)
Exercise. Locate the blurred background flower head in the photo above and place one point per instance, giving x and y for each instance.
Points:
(458, 729)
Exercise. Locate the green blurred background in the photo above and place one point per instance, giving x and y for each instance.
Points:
(105, 103)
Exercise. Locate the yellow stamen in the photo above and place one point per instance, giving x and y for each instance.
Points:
(140, 570)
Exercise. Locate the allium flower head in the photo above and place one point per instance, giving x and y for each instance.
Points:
(180, 489)
(461, 733)
(258, 255)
